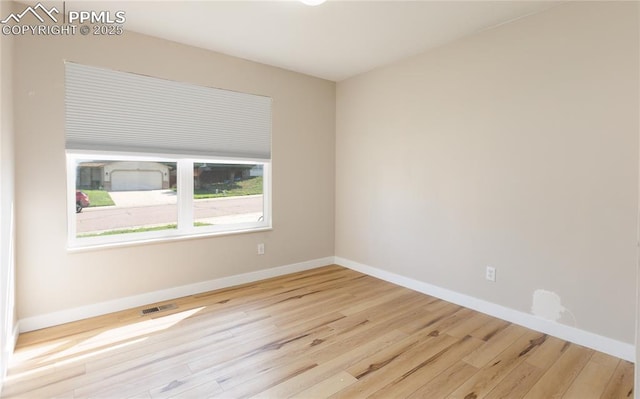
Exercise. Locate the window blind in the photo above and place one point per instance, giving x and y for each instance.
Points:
(109, 110)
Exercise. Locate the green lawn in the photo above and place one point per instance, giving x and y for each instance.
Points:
(250, 186)
(99, 198)
(138, 230)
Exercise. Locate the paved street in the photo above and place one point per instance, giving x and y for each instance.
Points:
(220, 210)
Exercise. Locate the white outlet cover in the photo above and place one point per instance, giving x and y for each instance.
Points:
(491, 273)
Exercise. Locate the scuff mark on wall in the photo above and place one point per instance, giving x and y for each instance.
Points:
(547, 304)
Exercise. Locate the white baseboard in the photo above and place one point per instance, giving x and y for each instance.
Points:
(575, 335)
(98, 309)
(581, 337)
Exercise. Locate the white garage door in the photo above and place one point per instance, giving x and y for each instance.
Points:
(132, 180)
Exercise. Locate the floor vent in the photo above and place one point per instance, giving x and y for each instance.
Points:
(158, 309)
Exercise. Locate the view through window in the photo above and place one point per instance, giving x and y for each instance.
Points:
(227, 194)
(119, 198)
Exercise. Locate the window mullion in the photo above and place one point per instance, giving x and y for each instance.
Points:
(185, 195)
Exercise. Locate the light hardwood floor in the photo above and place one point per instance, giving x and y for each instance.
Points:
(328, 332)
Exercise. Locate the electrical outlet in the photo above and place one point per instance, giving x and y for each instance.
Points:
(491, 273)
(260, 249)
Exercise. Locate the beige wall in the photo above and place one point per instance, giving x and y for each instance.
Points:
(516, 148)
(7, 299)
(51, 279)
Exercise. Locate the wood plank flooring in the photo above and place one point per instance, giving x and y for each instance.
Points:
(325, 333)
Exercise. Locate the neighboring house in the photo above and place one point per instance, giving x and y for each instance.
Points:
(90, 175)
(220, 173)
(123, 176)
(134, 176)
(256, 171)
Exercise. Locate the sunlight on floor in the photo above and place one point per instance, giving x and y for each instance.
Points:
(22, 355)
(104, 342)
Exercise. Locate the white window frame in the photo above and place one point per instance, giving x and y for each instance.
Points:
(185, 202)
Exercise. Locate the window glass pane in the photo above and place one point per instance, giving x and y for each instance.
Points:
(227, 194)
(121, 197)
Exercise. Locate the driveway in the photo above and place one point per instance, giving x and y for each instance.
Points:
(143, 198)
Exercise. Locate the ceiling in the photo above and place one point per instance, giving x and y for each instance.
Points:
(334, 41)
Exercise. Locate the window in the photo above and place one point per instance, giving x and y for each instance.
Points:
(152, 159)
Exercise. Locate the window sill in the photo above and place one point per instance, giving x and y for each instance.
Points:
(162, 240)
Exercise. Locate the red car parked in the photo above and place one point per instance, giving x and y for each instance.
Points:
(82, 201)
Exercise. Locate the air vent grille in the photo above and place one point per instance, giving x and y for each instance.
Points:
(156, 309)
